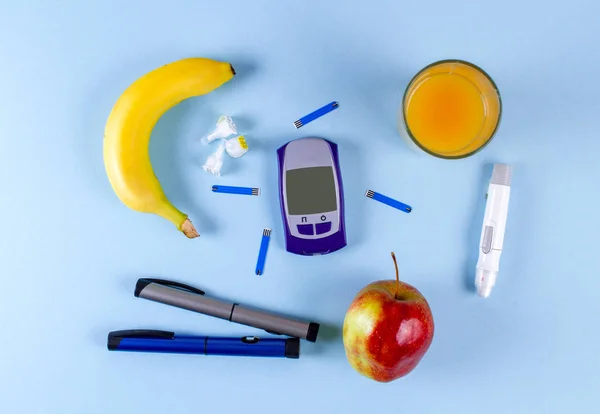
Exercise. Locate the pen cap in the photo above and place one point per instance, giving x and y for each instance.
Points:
(485, 281)
(501, 174)
(193, 300)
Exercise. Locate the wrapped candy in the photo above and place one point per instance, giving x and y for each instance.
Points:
(214, 162)
(225, 128)
(236, 147)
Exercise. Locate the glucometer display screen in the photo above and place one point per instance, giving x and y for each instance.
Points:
(310, 190)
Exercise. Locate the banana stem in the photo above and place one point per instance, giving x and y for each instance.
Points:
(179, 219)
(188, 229)
(397, 276)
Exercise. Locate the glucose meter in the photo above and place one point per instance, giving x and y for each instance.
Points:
(311, 196)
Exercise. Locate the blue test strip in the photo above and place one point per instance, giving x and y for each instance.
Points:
(255, 191)
(389, 201)
(262, 253)
(316, 114)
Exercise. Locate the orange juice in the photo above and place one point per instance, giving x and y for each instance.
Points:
(451, 109)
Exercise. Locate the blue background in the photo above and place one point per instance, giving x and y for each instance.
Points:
(70, 252)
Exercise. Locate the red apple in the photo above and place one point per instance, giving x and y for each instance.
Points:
(387, 329)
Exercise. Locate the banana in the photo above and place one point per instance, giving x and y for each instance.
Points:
(130, 124)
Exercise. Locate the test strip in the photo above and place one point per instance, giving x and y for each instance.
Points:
(262, 253)
(255, 191)
(388, 201)
(316, 114)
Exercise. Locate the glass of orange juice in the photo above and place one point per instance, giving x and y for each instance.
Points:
(451, 109)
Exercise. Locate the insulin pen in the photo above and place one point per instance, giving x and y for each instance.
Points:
(148, 340)
(193, 299)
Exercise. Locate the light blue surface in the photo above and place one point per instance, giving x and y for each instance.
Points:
(70, 252)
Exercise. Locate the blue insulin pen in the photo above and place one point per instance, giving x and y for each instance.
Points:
(146, 340)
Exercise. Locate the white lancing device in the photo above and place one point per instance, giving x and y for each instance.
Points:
(492, 231)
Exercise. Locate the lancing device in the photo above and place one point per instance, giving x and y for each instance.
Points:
(492, 232)
(193, 299)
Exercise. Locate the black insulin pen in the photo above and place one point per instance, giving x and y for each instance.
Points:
(190, 298)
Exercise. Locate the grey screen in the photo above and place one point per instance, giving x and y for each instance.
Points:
(310, 190)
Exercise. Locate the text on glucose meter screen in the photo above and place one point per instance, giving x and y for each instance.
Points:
(310, 191)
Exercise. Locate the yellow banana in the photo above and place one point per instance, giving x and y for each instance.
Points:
(130, 124)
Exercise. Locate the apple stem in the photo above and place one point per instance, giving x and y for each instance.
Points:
(397, 276)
